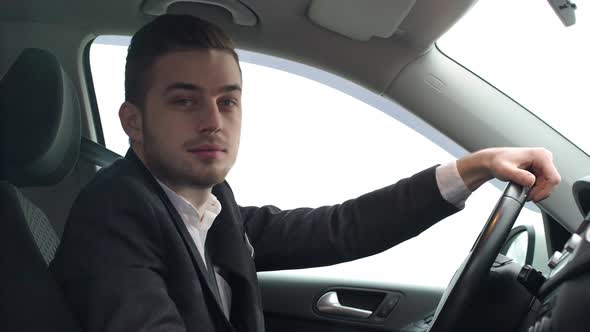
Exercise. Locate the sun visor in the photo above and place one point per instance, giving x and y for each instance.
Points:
(360, 20)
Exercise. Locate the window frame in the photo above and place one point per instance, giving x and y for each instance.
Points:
(90, 89)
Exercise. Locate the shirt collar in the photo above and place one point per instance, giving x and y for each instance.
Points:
(187, 210)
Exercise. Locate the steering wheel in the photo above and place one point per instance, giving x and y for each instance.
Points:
(460, 295)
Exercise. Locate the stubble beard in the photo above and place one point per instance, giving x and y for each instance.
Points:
(176, 170)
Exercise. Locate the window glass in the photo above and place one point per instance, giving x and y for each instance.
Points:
(306, 143)
(523, 49)
(518, 248)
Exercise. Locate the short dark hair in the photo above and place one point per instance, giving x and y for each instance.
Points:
(165, 34)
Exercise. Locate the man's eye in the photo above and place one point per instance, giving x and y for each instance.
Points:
(228, 103)
(183, 102)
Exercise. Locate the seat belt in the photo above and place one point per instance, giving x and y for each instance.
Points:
(96, 153)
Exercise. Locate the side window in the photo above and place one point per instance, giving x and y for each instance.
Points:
(310, 138)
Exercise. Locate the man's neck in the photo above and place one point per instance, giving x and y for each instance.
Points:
(197, 196)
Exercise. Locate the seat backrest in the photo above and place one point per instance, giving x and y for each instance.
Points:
(39, 146)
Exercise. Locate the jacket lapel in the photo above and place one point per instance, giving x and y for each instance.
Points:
(231, 252)
(207, 277)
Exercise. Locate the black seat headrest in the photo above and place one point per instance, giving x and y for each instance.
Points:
(40, 121)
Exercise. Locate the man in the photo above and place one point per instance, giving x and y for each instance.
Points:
(156, 242)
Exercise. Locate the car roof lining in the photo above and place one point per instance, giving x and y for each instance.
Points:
(415, 35)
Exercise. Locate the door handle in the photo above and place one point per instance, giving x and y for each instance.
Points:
(329, 304)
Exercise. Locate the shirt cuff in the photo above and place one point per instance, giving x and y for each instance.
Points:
(451, 185)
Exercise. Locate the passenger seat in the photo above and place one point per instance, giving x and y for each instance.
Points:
(39, 146)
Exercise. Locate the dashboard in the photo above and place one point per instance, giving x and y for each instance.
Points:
(563, 300)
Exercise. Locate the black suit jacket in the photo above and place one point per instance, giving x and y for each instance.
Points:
(127, 262)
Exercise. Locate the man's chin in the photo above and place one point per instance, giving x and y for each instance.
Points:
(207, 180)
(196, 176)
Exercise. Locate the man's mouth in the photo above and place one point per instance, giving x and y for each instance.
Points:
(208, 151)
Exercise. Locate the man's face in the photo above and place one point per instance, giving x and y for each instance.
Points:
(192, 117)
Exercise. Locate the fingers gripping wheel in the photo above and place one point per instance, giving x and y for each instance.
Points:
(463, 288)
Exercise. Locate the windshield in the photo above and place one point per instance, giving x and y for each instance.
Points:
(523, 49)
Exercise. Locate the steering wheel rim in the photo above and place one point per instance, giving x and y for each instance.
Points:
(462, 290)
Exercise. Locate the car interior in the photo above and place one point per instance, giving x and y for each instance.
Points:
(53, 143)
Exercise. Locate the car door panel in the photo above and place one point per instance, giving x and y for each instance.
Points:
(290, 303)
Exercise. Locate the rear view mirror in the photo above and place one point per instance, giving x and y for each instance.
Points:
(520, 245)
(565, 10)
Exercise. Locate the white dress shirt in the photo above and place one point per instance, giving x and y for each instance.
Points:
(198, 226)
(449, 182)
(451, 185)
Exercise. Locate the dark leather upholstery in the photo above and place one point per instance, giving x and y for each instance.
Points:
(39, 145)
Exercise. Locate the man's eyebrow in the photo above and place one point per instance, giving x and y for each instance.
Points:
(183, 86)
(197, 88)
(231, 88)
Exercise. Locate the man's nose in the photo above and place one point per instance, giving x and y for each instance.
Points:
(210, 119)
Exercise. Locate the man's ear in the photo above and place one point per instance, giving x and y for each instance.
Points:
(132, 121)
